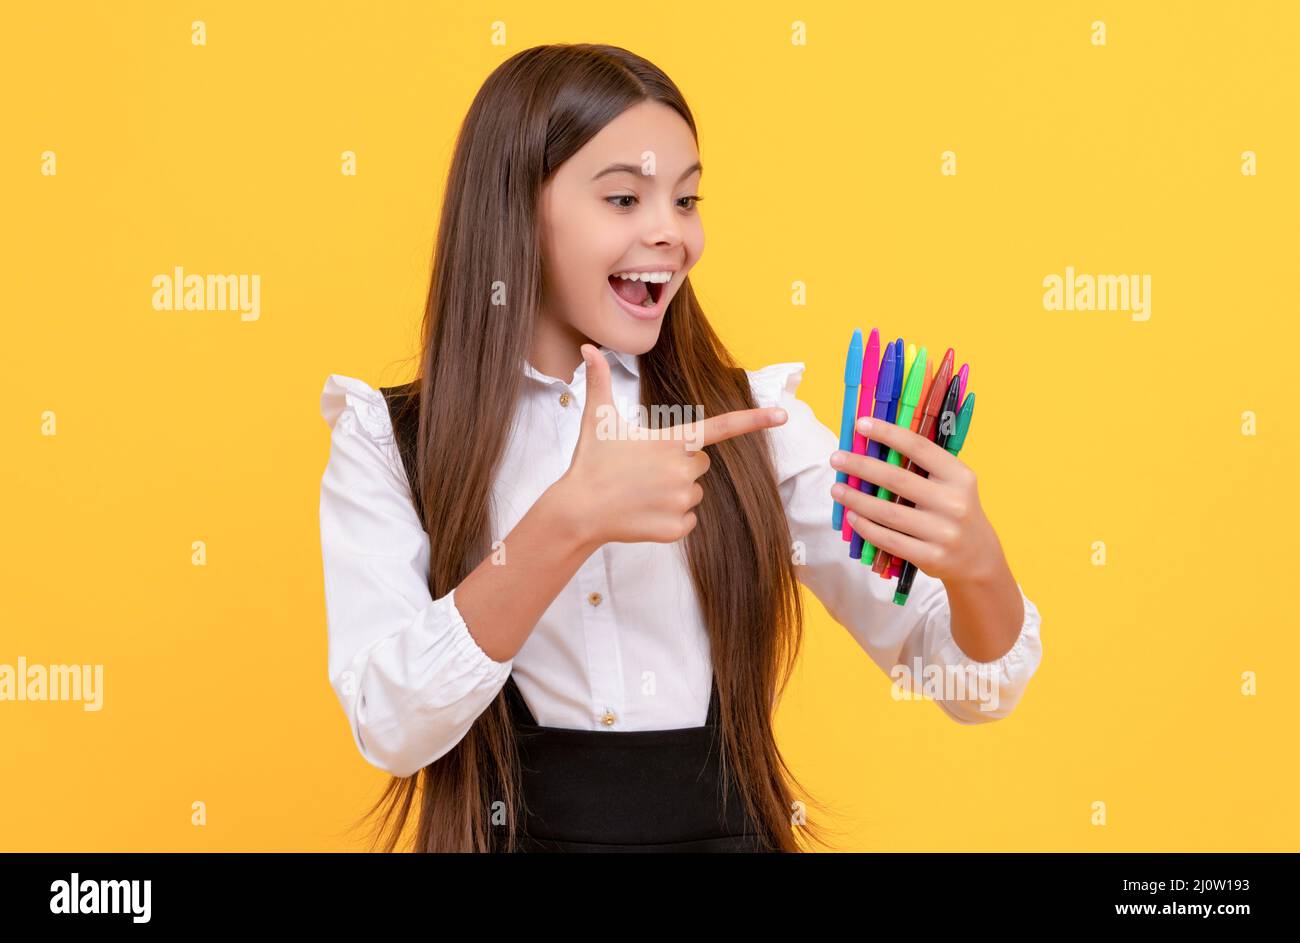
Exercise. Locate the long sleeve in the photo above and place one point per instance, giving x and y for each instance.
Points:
(410, 676)
(917, 635)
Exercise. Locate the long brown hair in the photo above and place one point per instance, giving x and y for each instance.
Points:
(533, 112)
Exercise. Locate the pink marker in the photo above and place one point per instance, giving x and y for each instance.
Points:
(866, 398)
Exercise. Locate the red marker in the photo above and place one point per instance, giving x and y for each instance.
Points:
(896, 565)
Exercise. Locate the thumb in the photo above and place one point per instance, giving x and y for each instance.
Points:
(599, 388)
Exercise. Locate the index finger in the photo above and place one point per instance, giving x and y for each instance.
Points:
(729, 425)
(936, 460)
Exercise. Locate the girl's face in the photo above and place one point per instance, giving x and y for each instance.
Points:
(624, 202)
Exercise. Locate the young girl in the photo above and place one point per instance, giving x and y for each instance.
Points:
(578, 628)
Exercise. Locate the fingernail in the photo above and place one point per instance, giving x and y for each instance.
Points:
(837, 458)
(838, 490)
(852, 516)
(864, 424)
(778, 415)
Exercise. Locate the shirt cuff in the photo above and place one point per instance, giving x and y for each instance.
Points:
(981, 691)
(466, 646)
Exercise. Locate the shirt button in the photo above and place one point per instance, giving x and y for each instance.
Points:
(594, 598)
(565, 399)
(608, 719)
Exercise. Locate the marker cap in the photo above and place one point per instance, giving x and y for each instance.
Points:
(958, 437)
(915, 380)
(853, 364)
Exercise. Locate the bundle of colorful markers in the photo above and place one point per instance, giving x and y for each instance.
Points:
(892, 388)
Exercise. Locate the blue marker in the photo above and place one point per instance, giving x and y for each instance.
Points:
(900, 367)
(884, 403)
(852, 380)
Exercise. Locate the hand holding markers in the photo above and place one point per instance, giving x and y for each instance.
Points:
(919, 502)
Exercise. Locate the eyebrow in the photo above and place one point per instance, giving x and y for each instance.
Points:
(634, 169)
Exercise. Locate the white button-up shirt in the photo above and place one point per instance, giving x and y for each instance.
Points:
(623, 646)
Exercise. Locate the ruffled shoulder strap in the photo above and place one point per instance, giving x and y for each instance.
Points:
(768, 383)
(352, 401)
(386, 416)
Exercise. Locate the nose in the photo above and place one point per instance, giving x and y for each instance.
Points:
(664, 226)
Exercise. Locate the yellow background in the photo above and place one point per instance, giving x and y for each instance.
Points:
(823, 165)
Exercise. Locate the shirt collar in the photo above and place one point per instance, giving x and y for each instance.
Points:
(629, 361)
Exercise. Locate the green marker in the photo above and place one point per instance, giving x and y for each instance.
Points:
(958, 437)
(906, 407)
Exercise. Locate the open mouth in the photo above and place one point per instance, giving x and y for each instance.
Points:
(638, 293)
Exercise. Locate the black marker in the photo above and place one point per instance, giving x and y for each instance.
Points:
(952, 441)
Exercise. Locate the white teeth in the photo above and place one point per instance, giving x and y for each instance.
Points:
(646, 276)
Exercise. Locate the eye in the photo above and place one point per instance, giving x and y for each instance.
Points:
(694, 199)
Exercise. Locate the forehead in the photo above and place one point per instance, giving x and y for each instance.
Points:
(647, 128)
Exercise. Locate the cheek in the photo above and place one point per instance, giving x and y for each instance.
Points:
(592, 245)
(694, 243)
(693, 247)
(578, 257)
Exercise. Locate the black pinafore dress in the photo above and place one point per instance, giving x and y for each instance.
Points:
(627, 790)
(607, 790)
